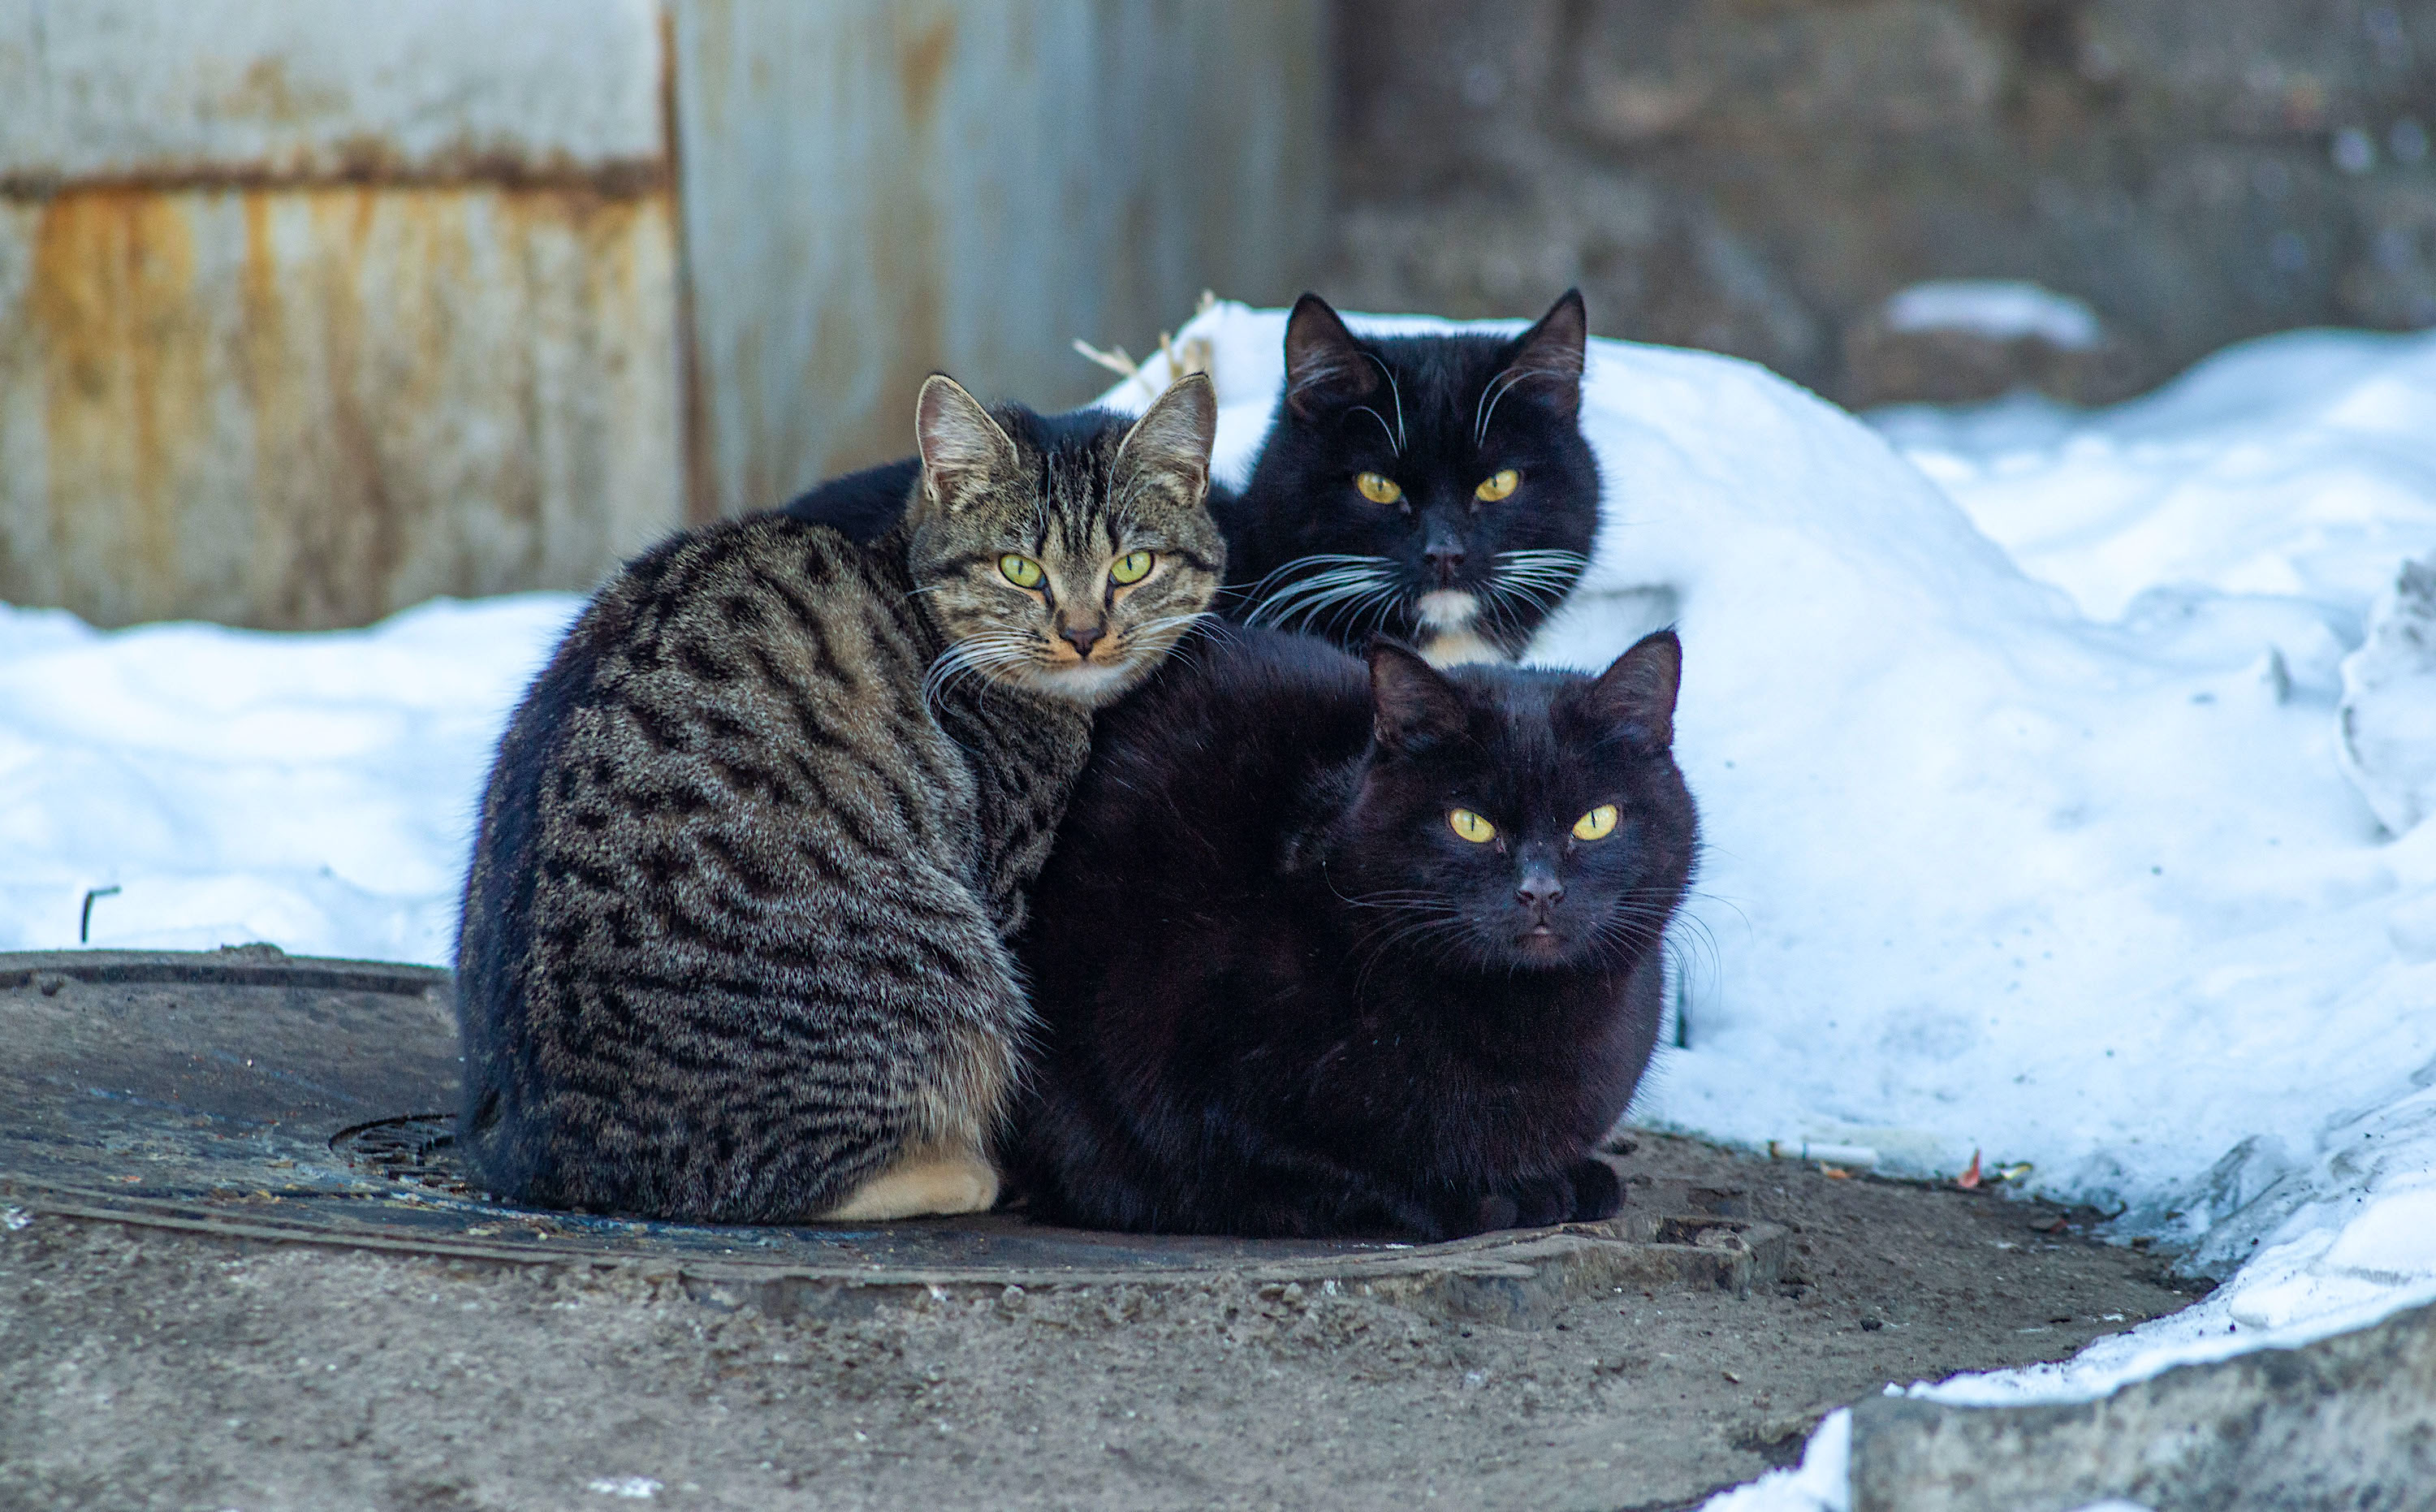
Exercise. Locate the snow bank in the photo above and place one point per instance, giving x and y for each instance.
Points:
(314, 790)
(2028, 826)
(1995, 309)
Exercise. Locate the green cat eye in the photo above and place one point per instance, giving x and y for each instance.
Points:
(1131, 567)
(1021, 570)
(1597, 825)
(1471, 826)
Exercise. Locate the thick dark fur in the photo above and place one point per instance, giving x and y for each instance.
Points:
(733, 938)
(1282, 995)
(1437, 415)
(1462, 578)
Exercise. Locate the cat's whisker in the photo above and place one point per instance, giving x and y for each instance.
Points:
(1355, 610)
(1315, 559)
(1307, 597)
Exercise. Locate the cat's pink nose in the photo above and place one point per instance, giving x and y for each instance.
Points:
(1540, 890)
(1082, 636)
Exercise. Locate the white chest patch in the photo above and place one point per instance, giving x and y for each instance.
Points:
(1447, 609)
(1458, 647)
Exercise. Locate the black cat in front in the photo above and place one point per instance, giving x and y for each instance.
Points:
(1328, 949)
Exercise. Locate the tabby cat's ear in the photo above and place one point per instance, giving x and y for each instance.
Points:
(963, 447)
(1548, 357)
(1412, 704)
(1634, 698)
(1174, 436)
(1325, 366)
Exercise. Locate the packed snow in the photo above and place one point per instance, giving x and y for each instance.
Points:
(2062, 776)
(1998, 309)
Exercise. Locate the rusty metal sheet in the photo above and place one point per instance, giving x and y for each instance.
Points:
(308, 407)
(873, 189)
(261, 91)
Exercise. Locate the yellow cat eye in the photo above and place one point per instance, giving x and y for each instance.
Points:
(1497, 485)
(1597, 825)
(1471, 826)
(1021, 570)
(1377, 490)
(1131, 567)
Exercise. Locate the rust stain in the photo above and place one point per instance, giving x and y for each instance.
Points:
(369, 160)
(264, 92)
(308, 408)
(125, 359)
(924, 68)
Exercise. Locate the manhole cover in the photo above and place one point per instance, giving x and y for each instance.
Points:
(273, 1098)
(417, 1149)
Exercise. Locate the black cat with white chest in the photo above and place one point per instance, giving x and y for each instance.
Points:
(1328, 948)
(1433, 488)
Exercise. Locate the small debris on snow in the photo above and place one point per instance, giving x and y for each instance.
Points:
(1842, 1154)
(13, 1219)
(2388, 715)
(1969, 1180)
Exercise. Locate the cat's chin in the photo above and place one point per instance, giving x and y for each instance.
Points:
(1538, 951)
(1087, 684)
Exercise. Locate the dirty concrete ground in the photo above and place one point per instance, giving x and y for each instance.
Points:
(143, 1369)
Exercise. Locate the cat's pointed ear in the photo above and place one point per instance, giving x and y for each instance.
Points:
(1412, 704)
(1634, 698)
(963, 446)
(1174, 437)
(1326, 367)
(1548, 357)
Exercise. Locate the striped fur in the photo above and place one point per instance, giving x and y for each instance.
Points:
(733, 944)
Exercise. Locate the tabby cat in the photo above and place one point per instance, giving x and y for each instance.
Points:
(1436, 488)
(1324, 949)
(733, 943)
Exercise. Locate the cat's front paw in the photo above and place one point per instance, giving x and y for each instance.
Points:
(1584, 1191)
(1597, 1191)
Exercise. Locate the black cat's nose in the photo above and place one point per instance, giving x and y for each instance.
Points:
(1444, 557)
(1539, 891)
(1082, 636)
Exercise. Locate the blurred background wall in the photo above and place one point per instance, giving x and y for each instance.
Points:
(310, 311)
(1760, 176)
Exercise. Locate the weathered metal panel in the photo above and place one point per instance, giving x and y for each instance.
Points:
(310, 309)
(172, 90)
(875, 189)
(309, 407)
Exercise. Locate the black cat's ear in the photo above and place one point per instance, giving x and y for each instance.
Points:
(1548, 357)
(1634, 698)
(1412, 704)
(1326, 367)
(1174, 436)
(963, 446)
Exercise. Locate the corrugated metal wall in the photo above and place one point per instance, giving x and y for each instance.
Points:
(876, 188)
(310, 311)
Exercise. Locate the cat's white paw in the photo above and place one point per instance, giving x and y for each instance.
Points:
(926, 1180)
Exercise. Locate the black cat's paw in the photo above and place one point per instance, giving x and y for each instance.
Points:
(1597, 1191)
(1496, 1210)
(1584, 1191)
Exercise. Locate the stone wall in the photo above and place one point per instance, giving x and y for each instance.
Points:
(1758, 176)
